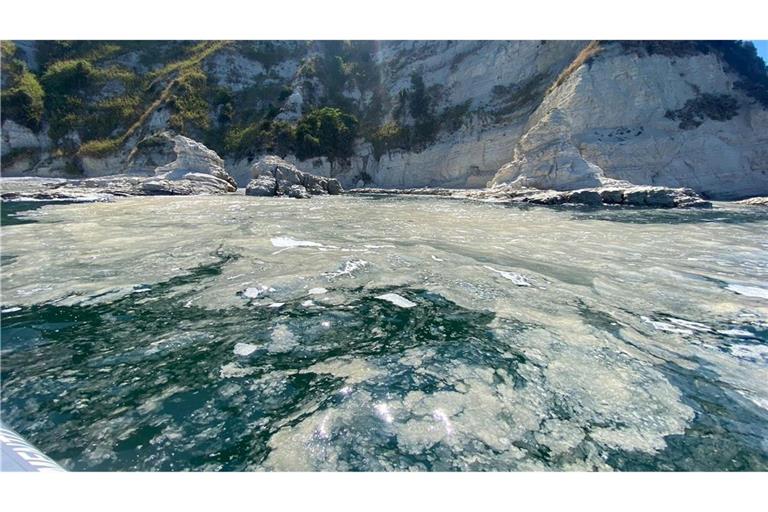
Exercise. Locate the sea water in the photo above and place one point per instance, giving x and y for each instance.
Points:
(398, 333)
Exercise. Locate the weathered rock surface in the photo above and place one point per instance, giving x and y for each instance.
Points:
(265, 185)
(273, 176)
(161, 164)
(103, 188)
(756, 201)
(654, 197)
(174, 157)
(614, 119)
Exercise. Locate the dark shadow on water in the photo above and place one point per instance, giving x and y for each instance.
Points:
(82, 382)
(140, 383)
(10, 209)
(728, 432)
(631, 215)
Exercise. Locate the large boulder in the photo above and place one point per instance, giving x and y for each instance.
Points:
(272, 173)
(173, 157)
(264, 185)
(297, 192)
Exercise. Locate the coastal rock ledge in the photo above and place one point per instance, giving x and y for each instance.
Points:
(273, 176)
(160, 164)
(625, 195)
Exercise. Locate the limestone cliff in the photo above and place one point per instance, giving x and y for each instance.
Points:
(466, 114)
(646, 119)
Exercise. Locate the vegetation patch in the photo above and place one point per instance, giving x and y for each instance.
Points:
(99, 148)
(14, 155)
(326, 132)
(272, 136)
(520, 97)
(416, 122)
(188, 101)
(718, 107)
(23, 96)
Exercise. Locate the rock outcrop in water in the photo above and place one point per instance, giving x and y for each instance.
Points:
(626, 195)
(273, 176)
(756, 201)
(163, 164)
(173, 157)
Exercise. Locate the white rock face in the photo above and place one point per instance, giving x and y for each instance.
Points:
(607, 122)
(467, 71)
(16, 136)
(194, 157)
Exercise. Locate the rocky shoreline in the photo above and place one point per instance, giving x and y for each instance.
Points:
(620, 194)
(169, 164)
(303, 185)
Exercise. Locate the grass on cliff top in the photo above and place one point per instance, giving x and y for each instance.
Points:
(585, 56)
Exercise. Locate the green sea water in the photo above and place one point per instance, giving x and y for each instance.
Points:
(236, 333)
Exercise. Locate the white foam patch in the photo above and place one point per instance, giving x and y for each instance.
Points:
(245, 349)
(283, 340)
(383, 412)
(233, 370)
(749, 291)
(614, 400)
(348, 268)
(288, 242)
(353, 371)
(752, 352)
(10, 310)
(257, 291)
(518, 279)
(153, 403)
(397, 300)
(737, 333)
(695, 326)
(666, 327)
(317, 291)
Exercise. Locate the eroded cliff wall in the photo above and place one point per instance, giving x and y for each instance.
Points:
(545, 114)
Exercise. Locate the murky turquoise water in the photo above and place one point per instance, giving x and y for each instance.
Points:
(238, 333)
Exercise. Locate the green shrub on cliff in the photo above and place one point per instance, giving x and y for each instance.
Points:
(23, 102)
(267, 136)
(326, 132)
(97, 148)
(388, 137)
(188, 101)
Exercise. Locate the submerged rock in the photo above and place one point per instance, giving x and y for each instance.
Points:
(273, 176)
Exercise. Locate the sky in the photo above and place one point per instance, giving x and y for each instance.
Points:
(762, 49)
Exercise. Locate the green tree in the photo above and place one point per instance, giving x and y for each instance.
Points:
(326, 132)
(24, 101)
